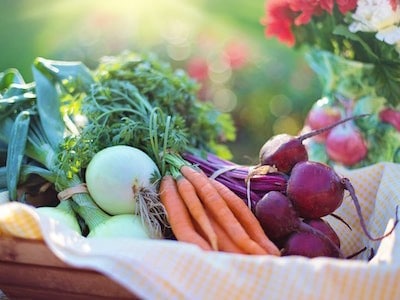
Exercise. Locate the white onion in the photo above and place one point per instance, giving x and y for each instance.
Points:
(60, 216)
(117, 175)
(128, 226)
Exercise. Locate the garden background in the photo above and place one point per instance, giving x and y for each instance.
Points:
(267, 87)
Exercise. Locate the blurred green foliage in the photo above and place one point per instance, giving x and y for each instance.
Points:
(268, 88)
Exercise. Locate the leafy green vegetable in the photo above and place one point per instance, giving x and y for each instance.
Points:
(143, 102)
(15, 151)
(128, 100)
(51, 76)
(174, 92)
(40, 144)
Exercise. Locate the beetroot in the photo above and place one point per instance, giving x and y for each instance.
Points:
(315, 189)
(324, 226)
(310, 242)
(276, 215)
(284, 151)
(345, 145)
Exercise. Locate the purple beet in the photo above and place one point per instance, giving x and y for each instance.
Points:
(324, 226)
(276, 214)
(311, 243)
(284, 151)
(316, 190)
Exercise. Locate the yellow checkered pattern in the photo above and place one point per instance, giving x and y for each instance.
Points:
(161, 269)
(18, 220)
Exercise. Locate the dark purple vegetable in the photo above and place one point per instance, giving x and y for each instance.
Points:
(284, 151)
(316, 190)
(276, 215)
(324, 226)
(310, 242)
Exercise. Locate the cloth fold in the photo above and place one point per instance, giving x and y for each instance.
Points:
(165, 269)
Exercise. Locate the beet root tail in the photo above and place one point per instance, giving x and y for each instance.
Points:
(349, 187)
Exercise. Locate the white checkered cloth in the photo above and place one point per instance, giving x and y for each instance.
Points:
(164, 269)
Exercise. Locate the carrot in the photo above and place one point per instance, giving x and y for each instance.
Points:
(246, 217)
(225, 243)
(196, 209)
(220, 210)
(178, 215)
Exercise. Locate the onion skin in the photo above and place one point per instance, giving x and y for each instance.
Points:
(61, 216)
(116, 175)
(127, 226)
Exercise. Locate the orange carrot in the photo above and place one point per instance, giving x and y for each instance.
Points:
(220, 211)
(178, 215)
(196, 209)
(246, 217)
(225, 243)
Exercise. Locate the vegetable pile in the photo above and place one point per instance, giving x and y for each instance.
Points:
(51, 129)
(292, 216)
(127, 150)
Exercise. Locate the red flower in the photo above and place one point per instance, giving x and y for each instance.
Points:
(310, 8)
(394, 4)
(282, 15)
(279, 20)
(346, 5)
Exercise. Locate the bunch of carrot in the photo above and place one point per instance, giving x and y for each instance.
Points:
(204, 212)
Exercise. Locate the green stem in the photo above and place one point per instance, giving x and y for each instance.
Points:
(66, 207)
(84, 205)
(175, 172)
(175, 160)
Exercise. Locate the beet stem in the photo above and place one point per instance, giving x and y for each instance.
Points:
(348, 186)
(371, 254)
(221, 171)
(356, 253)
(321, 130)
(341, 220)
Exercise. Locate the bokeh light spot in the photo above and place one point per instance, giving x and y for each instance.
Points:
(220, 71)
(280, 105)
(286, 124)
(225, 100)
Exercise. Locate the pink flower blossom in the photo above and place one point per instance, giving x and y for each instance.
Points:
(278, 21)
(345, 6)
(310, 8)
